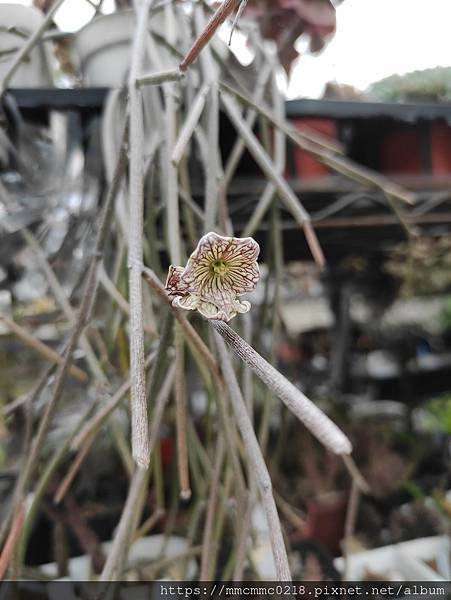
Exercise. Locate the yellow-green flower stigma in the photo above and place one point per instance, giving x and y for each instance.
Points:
(219, 267)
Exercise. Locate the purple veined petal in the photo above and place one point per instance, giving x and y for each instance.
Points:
(174, 283)
(244, 279)
(219, 270)
(246, 249)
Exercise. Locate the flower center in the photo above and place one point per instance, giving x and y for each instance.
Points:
(219, 267)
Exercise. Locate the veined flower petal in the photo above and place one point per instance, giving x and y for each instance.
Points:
(219, 270)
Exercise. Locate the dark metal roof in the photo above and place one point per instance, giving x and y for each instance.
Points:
(343, 109)
(93, 98)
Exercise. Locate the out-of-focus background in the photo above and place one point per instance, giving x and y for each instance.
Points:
(365, 88)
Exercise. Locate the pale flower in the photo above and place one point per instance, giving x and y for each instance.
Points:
(218, 271)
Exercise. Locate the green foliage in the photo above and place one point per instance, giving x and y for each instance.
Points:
(438, 413)
(430, 85)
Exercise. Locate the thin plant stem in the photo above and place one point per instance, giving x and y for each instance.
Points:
(224, 10)
(119, 299)
(12, 538)
(323, 153)
(115, 564)
(181, 415)
(94, 424)
(171, 184)
(60, 296)
(191, 121)
(139, 423)
(313, 418)
(264, 161)
(205, 565)
(256, 458)
(201, 348)
(41, 488)
(159, 78)
(41, 348)
(351, 519)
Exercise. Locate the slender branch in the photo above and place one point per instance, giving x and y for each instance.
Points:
(99, 418)
(61, 298)
(351, 519)
(41, 348)
(181, 415)
(200, 347)
(211, 510)
(172, 202)
(119, 299)
(191, 121)
(256, 458)
(140, 429)
(11, 540)
(286, 194)
(159, 78)
(115, 563)
(323, 153)
(225, 9)
(304, 409)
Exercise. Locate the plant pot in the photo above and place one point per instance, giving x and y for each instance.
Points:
(325, 521)
(306, 165)
(407, 560)
(146, 549)
(401, 152)
(23, 21)
(103, 48)
(416, 150)
(440, 137)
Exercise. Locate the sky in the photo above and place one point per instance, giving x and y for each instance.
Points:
(374, 39)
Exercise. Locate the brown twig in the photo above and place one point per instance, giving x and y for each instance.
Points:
(225, 9)
(11, 540)
(41, 348)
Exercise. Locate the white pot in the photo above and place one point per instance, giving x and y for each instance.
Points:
(35, 71)
(146, 549)
(403, 562)
(103, 47)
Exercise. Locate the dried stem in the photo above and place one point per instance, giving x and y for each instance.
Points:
(323, 153)
(115, 564)
(205, 574)
(351, 519)
(99, 418)
(312, 417)
(225, 9)
(159, 78)
(181, 415)
(61, 298)
(119, 299)
(188, 127)
(11, 540)
(262, 158)
(256, 458)
(139, 424)
(41, 348)
(200, 347)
